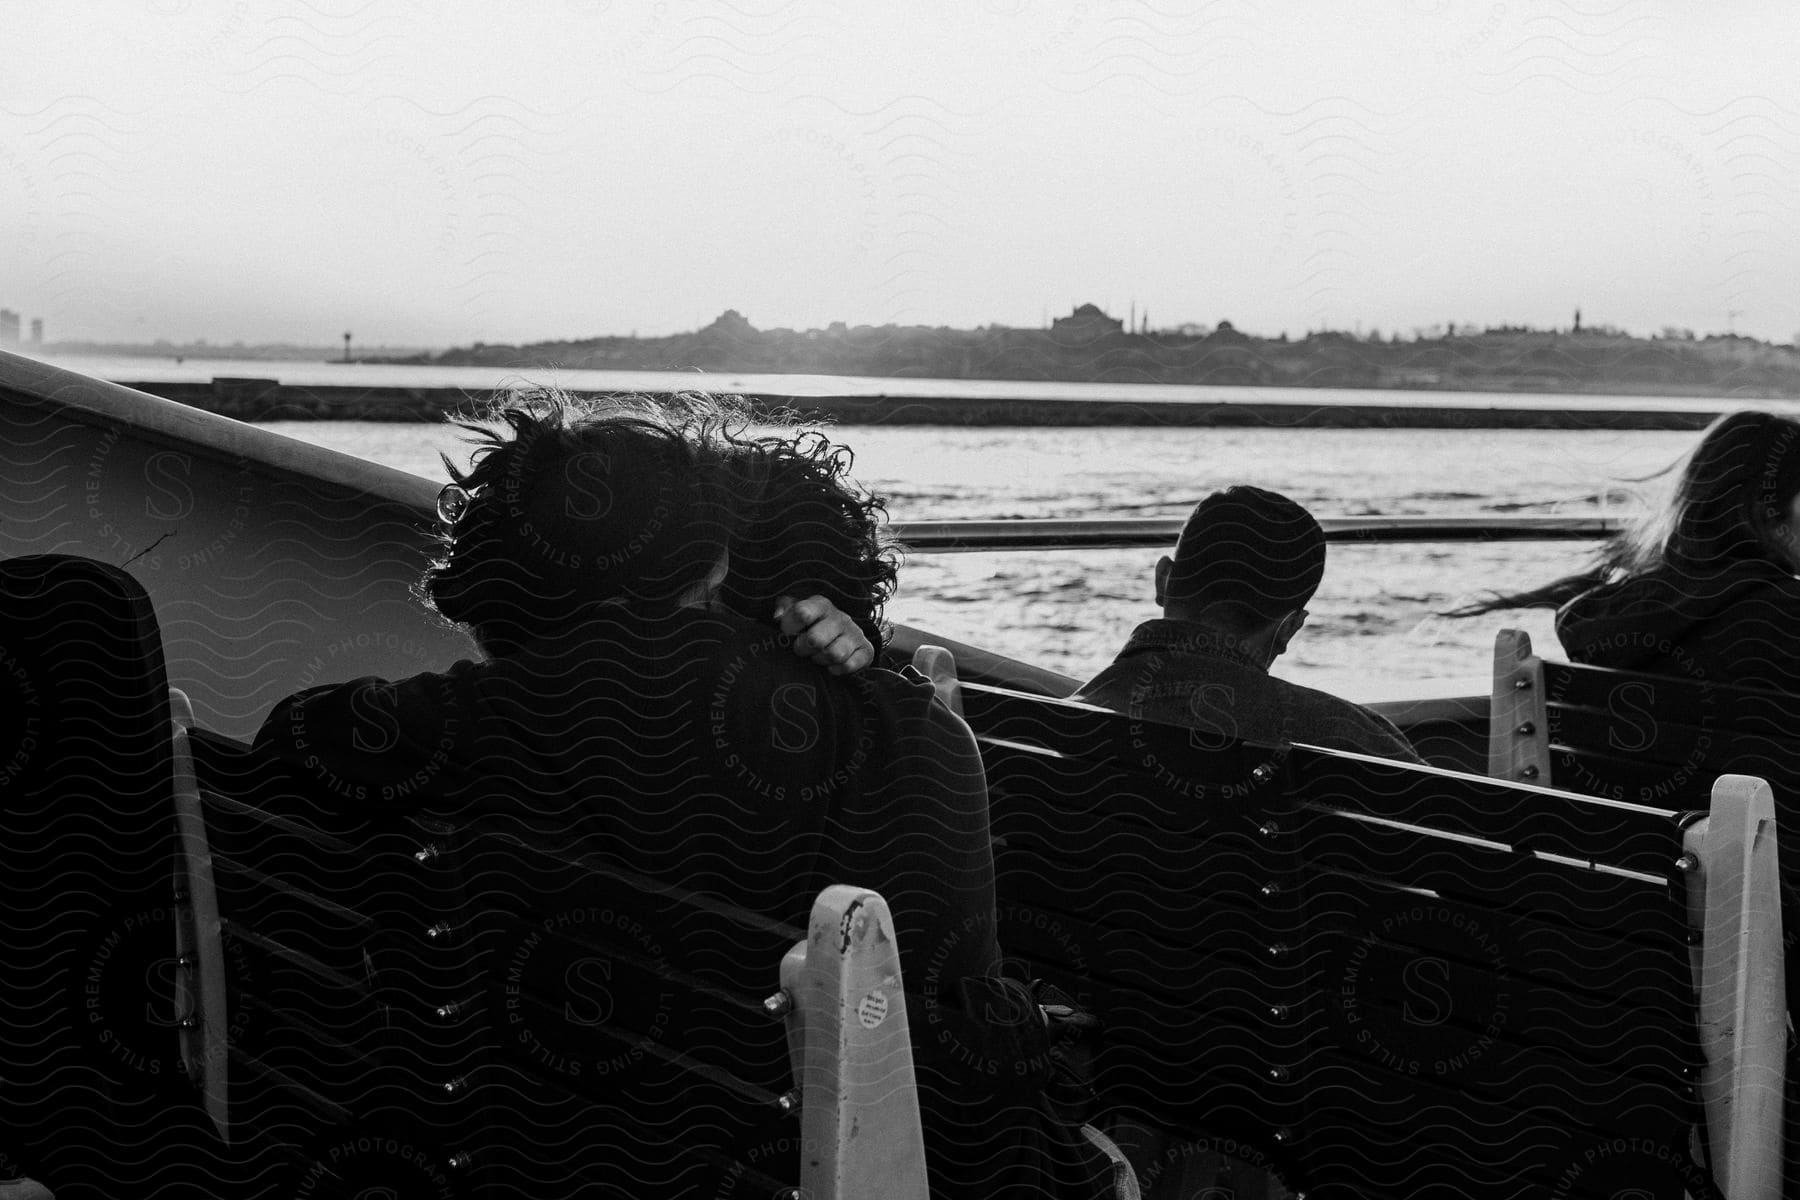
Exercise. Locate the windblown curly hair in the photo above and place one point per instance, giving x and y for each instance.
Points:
(578, 501)
(805, 528)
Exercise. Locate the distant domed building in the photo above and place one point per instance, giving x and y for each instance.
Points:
(1225, 331)
(730, 324)
(1085, 324)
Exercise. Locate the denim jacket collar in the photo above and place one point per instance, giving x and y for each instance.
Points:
(1164, 636)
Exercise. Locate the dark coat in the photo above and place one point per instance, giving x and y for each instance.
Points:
(1735, 623)
(1186, 673)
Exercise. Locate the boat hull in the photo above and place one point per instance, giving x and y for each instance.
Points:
(273, 565)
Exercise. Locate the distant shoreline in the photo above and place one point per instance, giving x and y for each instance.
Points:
(1090, 346)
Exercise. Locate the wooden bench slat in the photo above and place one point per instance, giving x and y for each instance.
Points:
(544, 1139)
(586, 998)
(1484, 1028)
(254, 831)
(1636, 781)
(1624, 1027)
(1495, 878)
(1227, 870)
(1572, 958)
(1135, 798)
(1525, 818)
(1185, 758)
(500, 863)
(1637, 696)
(1524, 1048)
(1363, 1127)
(307, 1110)
(1670, 742)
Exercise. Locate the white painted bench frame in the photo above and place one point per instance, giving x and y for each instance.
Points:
(851, 1049)
(1734, 902)
(199, 950)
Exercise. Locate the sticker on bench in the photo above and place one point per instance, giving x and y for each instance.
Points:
(872, 1009)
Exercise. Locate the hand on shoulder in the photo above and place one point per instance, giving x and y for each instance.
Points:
(823, 634)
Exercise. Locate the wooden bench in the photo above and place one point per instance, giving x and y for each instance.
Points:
(92, 1054)
(467, 1009)
(1651, 739)
(334, 956)
(1377, 979)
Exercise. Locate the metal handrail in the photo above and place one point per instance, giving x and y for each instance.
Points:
(958, 537)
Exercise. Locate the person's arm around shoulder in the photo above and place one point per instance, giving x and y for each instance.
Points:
(960, 781)
(370, 740)
(929, 803)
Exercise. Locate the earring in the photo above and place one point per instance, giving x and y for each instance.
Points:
(452, 503)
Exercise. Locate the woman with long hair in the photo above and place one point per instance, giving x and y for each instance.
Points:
(1703, 584)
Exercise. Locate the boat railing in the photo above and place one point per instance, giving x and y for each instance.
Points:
(1105, 533)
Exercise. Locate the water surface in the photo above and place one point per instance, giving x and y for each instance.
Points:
(1372, 632)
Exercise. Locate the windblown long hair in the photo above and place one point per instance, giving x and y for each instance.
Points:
(1728, 499)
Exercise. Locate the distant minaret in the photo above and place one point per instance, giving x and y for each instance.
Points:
(346, 347)
(1132, 323)
(1577, 320)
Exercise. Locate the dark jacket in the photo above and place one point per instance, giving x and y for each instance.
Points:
(1735, 623)
(695, 747)
(1186, 673)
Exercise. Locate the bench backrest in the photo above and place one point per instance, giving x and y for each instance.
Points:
(629, 1005)
(508, 1015)
(1654, 740)
(1392, 979)
(340, 956)
(88, 1031)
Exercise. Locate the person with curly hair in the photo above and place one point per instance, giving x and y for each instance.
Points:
(547, 522)
(624, 569)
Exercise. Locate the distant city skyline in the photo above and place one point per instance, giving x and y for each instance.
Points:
(191, 169)
(1574, 324)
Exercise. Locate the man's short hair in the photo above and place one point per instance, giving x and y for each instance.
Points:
(1251, 550)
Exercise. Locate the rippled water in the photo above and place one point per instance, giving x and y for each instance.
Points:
(1372, 632)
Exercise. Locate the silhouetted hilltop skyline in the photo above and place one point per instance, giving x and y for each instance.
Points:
(1090, 345)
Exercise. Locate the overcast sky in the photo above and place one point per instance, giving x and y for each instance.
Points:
(437, 173)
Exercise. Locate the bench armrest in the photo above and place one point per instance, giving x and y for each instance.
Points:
(939, 665)
(1734, 897)
(859, 1098)
(199, 948)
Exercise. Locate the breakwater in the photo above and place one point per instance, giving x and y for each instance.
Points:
(249, 399)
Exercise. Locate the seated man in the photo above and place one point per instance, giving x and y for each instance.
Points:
(625, 712)
(1233, 596)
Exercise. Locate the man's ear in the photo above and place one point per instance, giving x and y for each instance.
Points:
(1164, 565)
(1286, 629)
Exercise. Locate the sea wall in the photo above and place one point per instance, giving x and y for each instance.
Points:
(269, 400)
